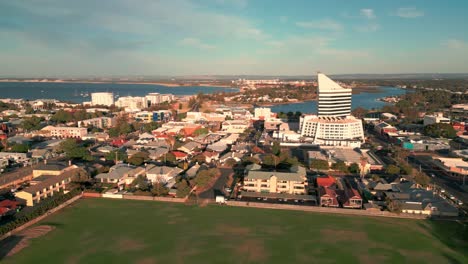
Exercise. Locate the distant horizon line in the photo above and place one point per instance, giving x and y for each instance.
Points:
(185, 76)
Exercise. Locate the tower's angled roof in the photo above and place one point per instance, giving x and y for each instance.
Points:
(325, 83)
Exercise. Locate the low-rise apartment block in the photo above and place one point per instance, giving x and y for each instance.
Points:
(291, 182)
(68, 132)
(46, 186)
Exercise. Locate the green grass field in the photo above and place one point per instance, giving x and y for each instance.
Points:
(116, 231)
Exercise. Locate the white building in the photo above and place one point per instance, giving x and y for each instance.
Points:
(436, 118)
(106, 99)
(334, 125)
(334, 100)
(333, 131)
(262, 113)
(99, 122)
(132, 102)
(235, 126)
(153, 98)
(68, 132)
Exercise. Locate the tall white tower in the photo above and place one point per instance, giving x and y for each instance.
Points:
(334, 100)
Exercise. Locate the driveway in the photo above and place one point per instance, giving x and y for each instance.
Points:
(218, 187)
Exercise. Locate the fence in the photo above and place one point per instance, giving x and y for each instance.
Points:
(325, 210)
(39, 218)
(133, 197)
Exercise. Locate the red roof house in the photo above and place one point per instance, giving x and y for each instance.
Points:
(325, 181)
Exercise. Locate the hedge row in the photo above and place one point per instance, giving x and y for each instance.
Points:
(29, 214)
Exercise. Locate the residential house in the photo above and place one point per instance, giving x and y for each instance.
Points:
(162, 174)
(190, 147)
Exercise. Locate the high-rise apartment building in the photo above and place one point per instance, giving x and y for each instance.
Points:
(105, 98)
(334, 100)
(334, 125)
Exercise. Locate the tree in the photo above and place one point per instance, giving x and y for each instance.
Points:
(74, 151)
(406, 169)
(170, 158)
(440, 130)
(19, 148)
(117, 154)
(31, 123)
(276, 148)
(159, 189)
(80, 176)
(138, 158)
(319, 164)
(200, 158)
(340, 166)
(201, 131)
(271, 160)
(183, 189)
(392, 169)
(422, 179)
(62, 116)
(141, 183)
(230, 162)
(354, 168)
(359, 112)
(205, 176)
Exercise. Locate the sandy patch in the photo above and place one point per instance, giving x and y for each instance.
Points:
(148, 260)
(21, 240)
(127, 244)
(334, 235)
(227, 229)
(252, 250)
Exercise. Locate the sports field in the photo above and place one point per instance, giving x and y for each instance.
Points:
(120, 231)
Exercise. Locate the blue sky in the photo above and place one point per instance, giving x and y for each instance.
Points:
(203, 37)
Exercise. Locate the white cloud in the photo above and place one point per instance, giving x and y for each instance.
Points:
(455, 44)
(197, 43)
(324, 24)
(409, 12)
(368, 28)
(367, 13)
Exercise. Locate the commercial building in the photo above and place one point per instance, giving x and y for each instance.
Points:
(132, 102)
(291, 182)
(153, 116)
(68, 132)
(157, 98)
(333, 126)
(436, 118)
(332, 131)
(106, 99)
(334, 100)
(454, 166)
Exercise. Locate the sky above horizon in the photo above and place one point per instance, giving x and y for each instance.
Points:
(230, 37)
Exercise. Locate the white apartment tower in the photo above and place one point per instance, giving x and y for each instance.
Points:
(334, 125)
(334, 100)
(106, 99)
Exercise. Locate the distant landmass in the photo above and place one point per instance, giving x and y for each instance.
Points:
(204, 78)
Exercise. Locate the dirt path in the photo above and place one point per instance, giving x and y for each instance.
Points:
(21, 240)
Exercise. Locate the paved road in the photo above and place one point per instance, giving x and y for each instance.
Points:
(218, 187)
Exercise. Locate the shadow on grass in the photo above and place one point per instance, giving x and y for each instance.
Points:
(8, 244)
(452, 234)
